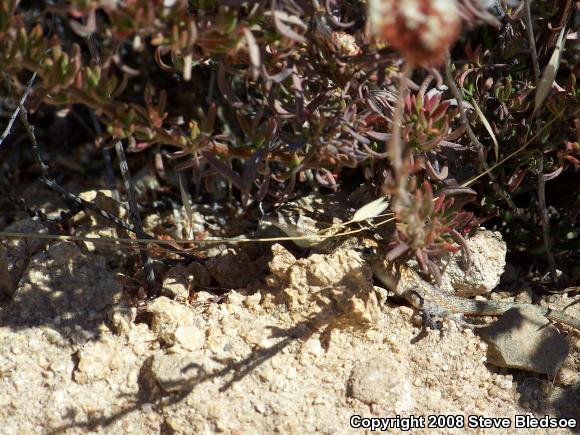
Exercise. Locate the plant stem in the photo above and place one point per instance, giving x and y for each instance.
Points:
(146, 259)
(396, 150)
(16, 112)
(532, 40)
(545, 218)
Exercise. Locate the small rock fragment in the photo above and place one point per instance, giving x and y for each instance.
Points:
(253, 301)
(190, 337)
(234, 298)
(204, 297)
(177, 282)
(167, 319)
(524, 339)
(122, 317)
(281, 261)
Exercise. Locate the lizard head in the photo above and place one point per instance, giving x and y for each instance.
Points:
(369, 248)
(373, 251)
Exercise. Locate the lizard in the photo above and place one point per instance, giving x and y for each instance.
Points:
(302, 219)
(406, 283)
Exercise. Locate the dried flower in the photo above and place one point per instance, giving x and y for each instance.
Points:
(345, 43)
(421, 29)
(342, 43)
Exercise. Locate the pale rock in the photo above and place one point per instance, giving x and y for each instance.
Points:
(234, 298)
(190, 337)
(253, 301)
(488, 254)
(167, 317)
(313, 347)
(203, 297)
(282, 260)
(122, 318)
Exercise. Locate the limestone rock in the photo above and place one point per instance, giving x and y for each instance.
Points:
(122, 318)
(281, 261)
(190, 337)
(95, 360)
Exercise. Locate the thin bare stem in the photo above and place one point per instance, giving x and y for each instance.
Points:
(532, 40)
(541, 181)
(23, 115)
(16, 112)
(147, 263)
(395, 147)
(545, 218)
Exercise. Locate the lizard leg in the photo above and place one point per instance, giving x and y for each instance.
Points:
(433, 315)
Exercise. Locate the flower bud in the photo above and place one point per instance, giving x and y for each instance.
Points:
(422, 30)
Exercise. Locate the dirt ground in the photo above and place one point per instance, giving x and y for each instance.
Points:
(254, 341)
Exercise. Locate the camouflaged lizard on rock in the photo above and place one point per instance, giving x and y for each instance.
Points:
(314, 222)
